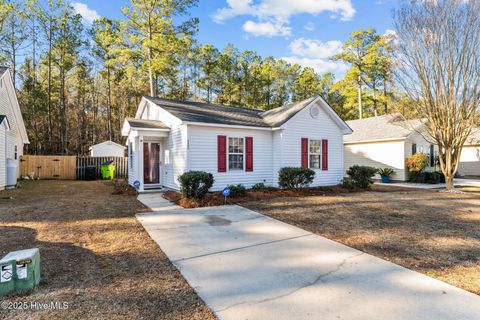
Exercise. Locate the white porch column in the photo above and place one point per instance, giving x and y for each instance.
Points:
(140, 163)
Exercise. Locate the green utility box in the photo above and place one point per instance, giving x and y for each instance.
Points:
(108, 170)
(19, 271)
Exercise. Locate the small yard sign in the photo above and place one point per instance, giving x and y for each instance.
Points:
(226, 193)
(136, 184)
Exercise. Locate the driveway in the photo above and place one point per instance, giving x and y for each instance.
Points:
(245, 265)
(456, 182)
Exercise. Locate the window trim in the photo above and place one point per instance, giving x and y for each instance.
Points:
(319, 154)
(235, 153)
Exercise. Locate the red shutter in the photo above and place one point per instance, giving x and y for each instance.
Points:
(324, 154)
(249, 153)
(222, 153)
(304, 152)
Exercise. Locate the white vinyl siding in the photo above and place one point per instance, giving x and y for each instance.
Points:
(175, 156)
(107, 149)
(202, 155)
(8, 107)
(133, 166)
(388, 154)
(302, 125)
(3, 164)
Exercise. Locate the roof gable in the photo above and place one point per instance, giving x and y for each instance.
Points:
(14, 113)
(108, 142)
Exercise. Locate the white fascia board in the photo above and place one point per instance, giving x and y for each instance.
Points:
(217, 125)
(375, 140)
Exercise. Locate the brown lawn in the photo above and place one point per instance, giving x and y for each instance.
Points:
(95, 255)
(434, 233)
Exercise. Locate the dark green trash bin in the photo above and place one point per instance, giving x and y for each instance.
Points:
(90, 173)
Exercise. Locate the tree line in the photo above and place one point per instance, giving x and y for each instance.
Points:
(76, 82)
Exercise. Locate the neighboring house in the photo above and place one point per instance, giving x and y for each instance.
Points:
(13, 134)
(384, 142)
(107, 149)
(470, 157)
(387, 141)
(237, 145)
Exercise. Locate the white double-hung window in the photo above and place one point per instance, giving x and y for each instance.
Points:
(235, 153)
(315, 151)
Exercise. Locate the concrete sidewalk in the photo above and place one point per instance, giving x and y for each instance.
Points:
(456, 182)
(248, 266)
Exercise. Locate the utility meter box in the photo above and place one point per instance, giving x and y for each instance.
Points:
(19, 271)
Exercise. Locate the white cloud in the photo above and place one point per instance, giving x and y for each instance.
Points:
(284, 8)
(88, 15)
(310, 48)
(267, 29)
(316, 54)
(319, 65)
(309, 26)
(278, 12)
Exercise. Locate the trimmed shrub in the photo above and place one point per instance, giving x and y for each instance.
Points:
(259, 186)
(294, 178)
(434, 177)
(347, 183)
(361, 176)
(195, 184)
(416, 177)
(237, 190)
(417, 163)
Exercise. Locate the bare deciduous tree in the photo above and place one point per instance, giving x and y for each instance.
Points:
(438, 60)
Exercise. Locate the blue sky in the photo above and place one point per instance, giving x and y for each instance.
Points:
(300, 31)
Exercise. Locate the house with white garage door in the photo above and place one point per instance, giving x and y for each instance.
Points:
(13, 135)
(237, 145)
(387, 141)
(470, 157)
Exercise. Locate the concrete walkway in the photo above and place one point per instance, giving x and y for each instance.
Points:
(456, 182)
(245, 265)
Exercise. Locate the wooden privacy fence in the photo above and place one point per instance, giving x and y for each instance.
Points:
(121, 166)
(49, 167)
(68, 167)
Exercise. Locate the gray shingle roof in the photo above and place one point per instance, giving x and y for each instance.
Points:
(147, 124)
(229, 115)
(3, 70)
(381, 128)
(278, 116)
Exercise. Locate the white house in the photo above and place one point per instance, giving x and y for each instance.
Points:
(387, 141)
(237, 145)
(107, 149)
(470, 157)
(13, 135)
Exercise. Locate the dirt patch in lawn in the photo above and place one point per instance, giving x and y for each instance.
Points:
(217, 199)
(435, 233)
(95, 254)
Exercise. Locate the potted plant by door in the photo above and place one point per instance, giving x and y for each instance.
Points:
(386, 173)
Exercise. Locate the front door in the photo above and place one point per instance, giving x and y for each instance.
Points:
(151, 163)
